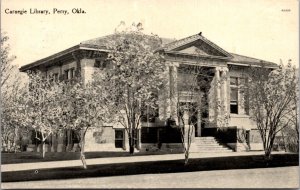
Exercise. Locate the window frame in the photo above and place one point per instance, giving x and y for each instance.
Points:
(239, 86)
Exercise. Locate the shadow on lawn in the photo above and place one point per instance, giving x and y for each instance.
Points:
(199, 164)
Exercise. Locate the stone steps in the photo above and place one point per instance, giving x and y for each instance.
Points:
(209, 145)
(218, 151)
(218, 148)
(206, 142)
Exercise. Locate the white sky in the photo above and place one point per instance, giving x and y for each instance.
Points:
(255, 28)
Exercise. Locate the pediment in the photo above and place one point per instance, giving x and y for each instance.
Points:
(193, 50)
(196, 45)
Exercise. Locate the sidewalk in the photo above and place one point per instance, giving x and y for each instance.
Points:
(271, 178)
(114, 160)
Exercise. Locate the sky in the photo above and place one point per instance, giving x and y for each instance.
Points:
(264, 29)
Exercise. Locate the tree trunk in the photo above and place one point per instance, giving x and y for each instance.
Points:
(82, 157)
(16, 139)
(268, 151)
(283, 139)
(131, 145)
(186, 157)
(82, 154)
(43, 149)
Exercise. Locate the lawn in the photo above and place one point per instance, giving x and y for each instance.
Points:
(29, 157)
(154, 167)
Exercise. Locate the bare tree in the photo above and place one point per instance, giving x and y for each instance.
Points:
(272, 94)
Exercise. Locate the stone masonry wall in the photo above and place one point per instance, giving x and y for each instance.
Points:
(87, 69)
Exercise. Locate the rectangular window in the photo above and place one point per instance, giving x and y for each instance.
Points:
(234, 81)
(242, 81)
(55, 77)
(100, 64)
(67, 74)
(238, 91)
(119, 138)
(97, 63)
(233, 100)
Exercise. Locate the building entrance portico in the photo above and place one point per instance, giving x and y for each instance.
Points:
(196, 93)
(203, 90)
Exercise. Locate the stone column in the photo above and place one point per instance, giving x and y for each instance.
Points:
(87, 69)
(199, 123)
(186, 117)
(218, 94)
(163, 97)
(174, 91)
(167, 91)
(225, 95)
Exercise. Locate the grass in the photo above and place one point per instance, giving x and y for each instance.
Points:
(30, 157)
(154, 167)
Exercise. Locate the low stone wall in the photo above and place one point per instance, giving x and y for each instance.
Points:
(256, 146)
(165, 147)
(255, 140)
(103, 147)
(172, 147)
(102, 139)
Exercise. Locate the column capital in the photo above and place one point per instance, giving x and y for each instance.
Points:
(218, 68)
(223, 69)
(172, 63)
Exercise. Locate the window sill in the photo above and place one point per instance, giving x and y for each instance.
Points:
(232, 115)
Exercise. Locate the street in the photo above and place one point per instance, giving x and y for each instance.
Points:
(280, 177)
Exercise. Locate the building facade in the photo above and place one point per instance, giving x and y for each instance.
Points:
(224, 103)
